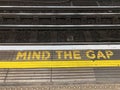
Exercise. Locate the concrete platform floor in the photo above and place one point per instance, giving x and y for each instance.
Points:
(60, 79)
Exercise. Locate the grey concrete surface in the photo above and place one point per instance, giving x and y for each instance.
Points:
(61, 75)
(60, 79)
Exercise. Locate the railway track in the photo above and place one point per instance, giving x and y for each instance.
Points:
(61, 20)
(66, 15)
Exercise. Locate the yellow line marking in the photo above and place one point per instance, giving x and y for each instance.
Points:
(59, 64)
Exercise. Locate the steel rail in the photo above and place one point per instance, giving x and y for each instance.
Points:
(63, 7)
(94, 26)
(45, 2)
(59, 14)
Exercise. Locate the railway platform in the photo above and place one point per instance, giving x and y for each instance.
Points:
(59, 45)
